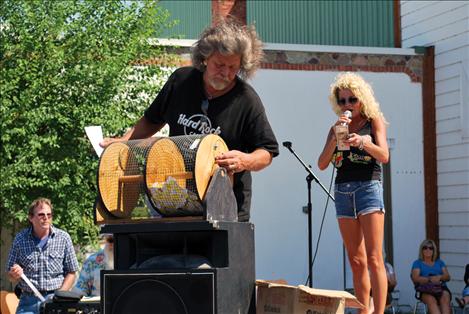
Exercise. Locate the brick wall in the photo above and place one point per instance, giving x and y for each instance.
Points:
(224, 8)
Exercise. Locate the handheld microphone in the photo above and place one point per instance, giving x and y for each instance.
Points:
(287, 144)
(348, 114)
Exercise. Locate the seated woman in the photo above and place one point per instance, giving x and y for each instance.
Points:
(428, 270)
(88, 284)
(465, 292)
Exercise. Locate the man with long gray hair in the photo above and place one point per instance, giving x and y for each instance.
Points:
(212, 97)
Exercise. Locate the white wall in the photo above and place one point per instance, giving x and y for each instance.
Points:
(298, 109)
(445, 25)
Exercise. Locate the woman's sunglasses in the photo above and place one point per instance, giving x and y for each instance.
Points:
(427, 247)
(351, 100)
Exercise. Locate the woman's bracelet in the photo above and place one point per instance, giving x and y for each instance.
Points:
(360, 147)
(364, 139)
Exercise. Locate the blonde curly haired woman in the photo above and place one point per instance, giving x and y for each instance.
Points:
(358, 189)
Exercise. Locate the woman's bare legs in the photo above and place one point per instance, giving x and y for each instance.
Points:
(445, 303)
(354, 243)
(433, 307)
(373, 230)
(431, 303)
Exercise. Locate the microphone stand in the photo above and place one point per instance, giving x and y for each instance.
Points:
(310, 177)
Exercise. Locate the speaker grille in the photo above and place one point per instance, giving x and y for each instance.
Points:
(158, 292)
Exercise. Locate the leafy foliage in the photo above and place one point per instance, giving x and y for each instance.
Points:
(66, 65)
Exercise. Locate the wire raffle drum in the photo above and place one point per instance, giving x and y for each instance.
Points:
(171, 174)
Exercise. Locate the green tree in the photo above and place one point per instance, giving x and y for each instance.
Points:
(65, 65)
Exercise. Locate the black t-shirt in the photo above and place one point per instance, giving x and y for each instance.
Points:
(237, 116)
(355, 164)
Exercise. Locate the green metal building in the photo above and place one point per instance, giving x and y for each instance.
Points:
(322, 22)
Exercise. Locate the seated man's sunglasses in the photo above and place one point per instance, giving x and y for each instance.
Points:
(44, 215)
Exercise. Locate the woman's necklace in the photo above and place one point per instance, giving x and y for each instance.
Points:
(358, 126)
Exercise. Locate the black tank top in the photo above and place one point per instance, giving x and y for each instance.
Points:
(355, 164)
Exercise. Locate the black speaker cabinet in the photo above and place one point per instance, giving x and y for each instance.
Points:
(153, 292)
(181, 267)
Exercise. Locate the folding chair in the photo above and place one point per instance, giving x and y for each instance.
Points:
(465, 309)
(420, 305)
(393, 306)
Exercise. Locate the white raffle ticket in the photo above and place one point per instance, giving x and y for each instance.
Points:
(95, 134)
(30, 284)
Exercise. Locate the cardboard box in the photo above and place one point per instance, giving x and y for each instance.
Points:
(285, 299)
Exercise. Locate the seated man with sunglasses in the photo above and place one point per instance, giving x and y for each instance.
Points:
(44, 254)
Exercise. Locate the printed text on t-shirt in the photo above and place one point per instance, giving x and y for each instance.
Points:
(197, 124)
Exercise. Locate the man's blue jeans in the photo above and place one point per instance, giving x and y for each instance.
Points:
(29, 304)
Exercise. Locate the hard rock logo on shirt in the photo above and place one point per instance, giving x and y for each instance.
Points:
(197, 124)
(338, 158)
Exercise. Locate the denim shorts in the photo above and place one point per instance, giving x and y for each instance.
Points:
(29, 304)
(358, 198)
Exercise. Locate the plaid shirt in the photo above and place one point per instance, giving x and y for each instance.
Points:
(46, 267)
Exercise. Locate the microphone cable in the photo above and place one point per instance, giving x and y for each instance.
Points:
(322, 224)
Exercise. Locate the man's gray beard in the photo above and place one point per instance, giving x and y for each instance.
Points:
(108, 258)
(219, 84)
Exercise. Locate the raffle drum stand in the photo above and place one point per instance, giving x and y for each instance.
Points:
(178, 247)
